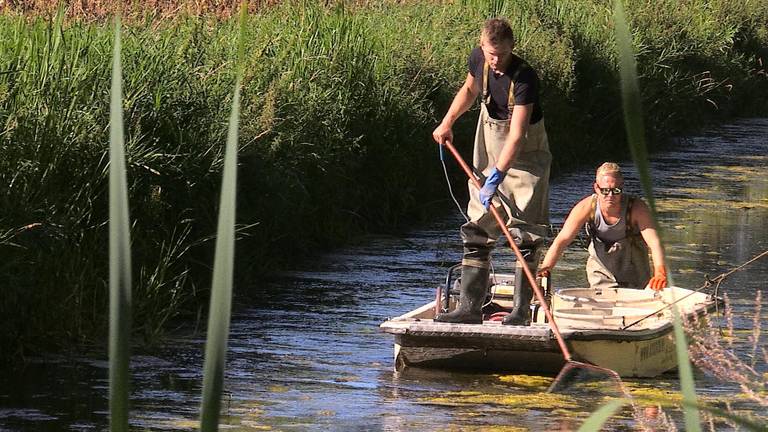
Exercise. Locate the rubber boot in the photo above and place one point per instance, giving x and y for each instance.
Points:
(474, 287)
(521, 314)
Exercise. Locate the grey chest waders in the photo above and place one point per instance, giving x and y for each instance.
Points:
(522, 200)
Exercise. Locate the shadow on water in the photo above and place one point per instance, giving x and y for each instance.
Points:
(306, 352)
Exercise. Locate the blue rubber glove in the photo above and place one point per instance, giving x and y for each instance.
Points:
(491, 184)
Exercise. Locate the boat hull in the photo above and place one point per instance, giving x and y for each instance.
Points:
(647, 356)
(414, 352)
(641, 352)
(421, 342)
(642, 359)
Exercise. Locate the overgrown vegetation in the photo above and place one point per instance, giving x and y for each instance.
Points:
(731, 349)
(736, 356)
(337, 106)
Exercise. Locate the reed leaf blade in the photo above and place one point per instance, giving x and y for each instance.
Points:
(119, 254)
(633, 120)
(598, 418)
(221, 290)
(631, 104)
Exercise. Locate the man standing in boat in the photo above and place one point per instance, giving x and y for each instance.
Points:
(512, 153)
(620, 230)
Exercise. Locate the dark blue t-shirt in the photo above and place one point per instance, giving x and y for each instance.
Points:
(526, 86)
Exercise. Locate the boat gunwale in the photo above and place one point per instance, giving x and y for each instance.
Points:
(407, 324)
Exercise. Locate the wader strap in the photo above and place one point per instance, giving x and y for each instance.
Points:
(486, 92)
(511, 95)
(589, 227)
(591, 223)
(512, 79)
(630, 201)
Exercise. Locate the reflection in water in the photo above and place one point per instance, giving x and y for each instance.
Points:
(306, 352)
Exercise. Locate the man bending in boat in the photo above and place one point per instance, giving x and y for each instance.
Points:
(620, 230)
(512, 152)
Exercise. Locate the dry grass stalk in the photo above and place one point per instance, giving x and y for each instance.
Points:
(654, 418)
(714, 353)
(100, 10)
(755, 337)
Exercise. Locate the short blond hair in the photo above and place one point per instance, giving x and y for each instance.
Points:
(496, 31)
(610, 169)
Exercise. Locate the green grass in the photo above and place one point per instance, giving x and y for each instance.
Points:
(336, 103)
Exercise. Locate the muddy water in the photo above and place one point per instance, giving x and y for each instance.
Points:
(306, 352)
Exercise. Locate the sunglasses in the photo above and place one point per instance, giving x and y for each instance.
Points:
(606, 191)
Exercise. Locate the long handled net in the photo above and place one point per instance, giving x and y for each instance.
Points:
(570, 364)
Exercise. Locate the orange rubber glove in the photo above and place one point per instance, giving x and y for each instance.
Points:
(544, 272)
(659, 279)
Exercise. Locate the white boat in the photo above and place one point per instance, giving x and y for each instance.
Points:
(626, 330)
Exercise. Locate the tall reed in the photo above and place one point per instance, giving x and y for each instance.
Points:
(119, 254)
(633, 119)
(220, 309)
(120, 262)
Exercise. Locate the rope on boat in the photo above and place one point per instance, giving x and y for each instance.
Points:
(707, 283)
(450, 189)
(719, 279)
(466, 218)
